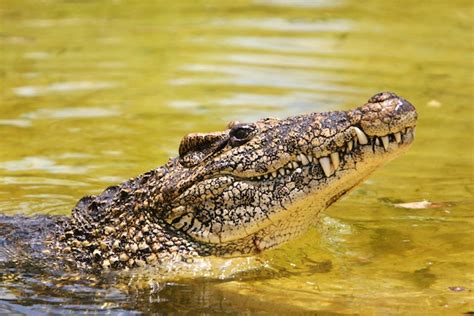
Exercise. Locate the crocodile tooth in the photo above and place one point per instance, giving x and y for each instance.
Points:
(409, 134)
(281, 171)
(266, 176)
(385, 142)
(294, 164)
(398, 137)
(350, 144)
(361, 136)
(326, 165)
(274, 174)
(304, 159)
(377, 141)
(335, 159)
(310, 158)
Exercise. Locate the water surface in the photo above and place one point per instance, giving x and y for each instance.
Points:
(93, 93)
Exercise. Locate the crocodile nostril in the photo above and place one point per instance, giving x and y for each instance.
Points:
(404, 106)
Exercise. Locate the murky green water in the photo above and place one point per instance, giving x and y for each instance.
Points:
(93, 93)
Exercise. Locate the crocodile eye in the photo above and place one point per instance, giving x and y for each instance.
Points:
(241, 133)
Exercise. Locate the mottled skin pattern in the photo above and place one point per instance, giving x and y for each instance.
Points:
(235, 192)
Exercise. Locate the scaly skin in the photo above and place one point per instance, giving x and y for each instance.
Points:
(236, 192)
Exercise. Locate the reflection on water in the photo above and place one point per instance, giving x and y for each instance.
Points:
(41, 163)
(64, 113)
(96, 92)
(284, 25)
(34, 91)
(258, 77)
(302, 3)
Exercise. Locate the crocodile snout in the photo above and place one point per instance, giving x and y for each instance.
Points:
(386, 113)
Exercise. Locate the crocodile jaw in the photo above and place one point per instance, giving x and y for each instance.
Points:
(302, 208)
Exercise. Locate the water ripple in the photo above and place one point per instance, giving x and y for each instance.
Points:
(42, 163)
(285, 25)
(26, 181)
(61, 87)
(77, 112)
(302, 3)
(37, 55)
(16, 123)
(283, 44)
(262, 77)
(284, 61)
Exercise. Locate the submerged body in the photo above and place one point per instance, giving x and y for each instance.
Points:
(231, 193)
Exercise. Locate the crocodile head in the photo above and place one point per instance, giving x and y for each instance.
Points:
(239, 191)
(254, 186)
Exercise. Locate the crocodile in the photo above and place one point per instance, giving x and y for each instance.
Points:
(231, 193)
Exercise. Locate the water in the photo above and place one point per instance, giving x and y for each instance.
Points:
(93, 93)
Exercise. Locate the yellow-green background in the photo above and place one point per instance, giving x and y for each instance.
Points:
(94, 92)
